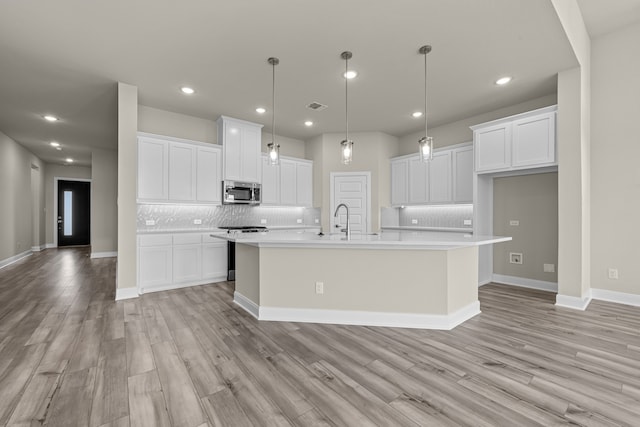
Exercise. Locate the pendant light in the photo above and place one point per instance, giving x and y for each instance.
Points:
(346, 144)
(274, 149)
(425, 144)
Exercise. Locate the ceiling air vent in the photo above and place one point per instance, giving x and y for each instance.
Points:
(316, 106)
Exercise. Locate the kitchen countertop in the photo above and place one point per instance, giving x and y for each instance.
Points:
(385, 240)
(417, 228)
(182, 230)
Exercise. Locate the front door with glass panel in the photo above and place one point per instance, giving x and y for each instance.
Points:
(73, 213)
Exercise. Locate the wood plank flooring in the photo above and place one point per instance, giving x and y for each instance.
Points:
(72, 356)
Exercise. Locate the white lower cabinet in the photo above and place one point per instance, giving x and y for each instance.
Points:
(167, 261)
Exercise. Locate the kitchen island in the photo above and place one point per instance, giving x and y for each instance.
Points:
(403, 279)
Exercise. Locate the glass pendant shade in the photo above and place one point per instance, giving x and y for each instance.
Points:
(425, 148)
(274, 154)
(347, 151)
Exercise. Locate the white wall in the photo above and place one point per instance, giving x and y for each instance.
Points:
(53, 171)
(16, 210)
(615, 197)
(104, 201)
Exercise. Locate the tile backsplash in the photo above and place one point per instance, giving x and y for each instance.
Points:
(204, 217)
(450, 216)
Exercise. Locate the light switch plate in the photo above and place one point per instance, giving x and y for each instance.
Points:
(514, 222)
(549, 268)
(317, 221)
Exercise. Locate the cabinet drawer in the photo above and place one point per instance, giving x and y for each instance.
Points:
(187, 239)
(206, 238)
(155, 240)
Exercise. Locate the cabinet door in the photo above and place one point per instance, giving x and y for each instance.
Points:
(153, 164)
(270, 190)
(399, 182)
(418, 181)
(463, 175)
(186, 263)
(214, 261)
(182, 172)
(492, 147)
(440, 178)
(231, 147)
(250, 158)
(304, 184)
(287, 182)
(209, 175)
(154, 267)
(534, 141)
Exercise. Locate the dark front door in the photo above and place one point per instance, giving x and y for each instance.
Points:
(74, 213)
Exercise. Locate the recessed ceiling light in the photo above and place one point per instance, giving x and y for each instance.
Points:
(54, 144)
(503, 80)
(50, 118)
(308, 123)
(351, 74)
(416, 114)
(68, 160)
(187, 90)
(59, 148)
(260, 110)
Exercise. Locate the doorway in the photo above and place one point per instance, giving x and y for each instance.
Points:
(354, 190)
(74, 213)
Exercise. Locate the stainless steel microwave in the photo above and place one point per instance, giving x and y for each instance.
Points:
(240, 192)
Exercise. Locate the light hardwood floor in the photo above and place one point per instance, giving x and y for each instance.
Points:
(71, 356)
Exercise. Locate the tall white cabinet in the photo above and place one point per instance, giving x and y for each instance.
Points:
(241, 143)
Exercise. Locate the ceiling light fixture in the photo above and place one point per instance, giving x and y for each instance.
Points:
(274, 149)
(425, 144)
(68, 160)
(503, 80)
(416, 114)
(346, 144)
(54, 144)
(50, 118)
(187, 90)
(308, 123)
(260, 110)
(350, 74)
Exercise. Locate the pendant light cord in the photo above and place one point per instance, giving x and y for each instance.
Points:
(346, 97)
(273, 104)
(426, 135)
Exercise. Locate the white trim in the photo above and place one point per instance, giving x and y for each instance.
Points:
(525, 283)
(55, 205)
(615, 296)
(363, 318)
(332, 205)
(575, 303)
(38, 248)
(104, 254)
(172, 286)
(126, 293)
(51, 245)
(436, 151)
(14, 258)
(484, 282)
(246, 304)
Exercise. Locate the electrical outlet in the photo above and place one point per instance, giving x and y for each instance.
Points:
(549, 268)
(197, 221)
(515, 258)
(613, 273)
(150, 222)
(414, 221)
(319, 287)
(263, 221)
(467, 222)
(316, 221)
(514, 223)
(299, 221)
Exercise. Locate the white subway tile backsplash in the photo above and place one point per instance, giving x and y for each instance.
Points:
(451, 216)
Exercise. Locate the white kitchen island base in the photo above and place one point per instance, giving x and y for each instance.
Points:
(375, 286)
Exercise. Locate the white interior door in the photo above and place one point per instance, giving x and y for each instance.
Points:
(354, 190)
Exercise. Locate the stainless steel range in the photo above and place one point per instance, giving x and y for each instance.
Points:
(231, 245)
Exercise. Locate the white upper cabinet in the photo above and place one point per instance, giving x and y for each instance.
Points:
(418, 181)
(399, 182)
(440, 177)
(241, 143)
(463, 175)
(523, 141)
(289, 184)
(153, 169)
(178, 171)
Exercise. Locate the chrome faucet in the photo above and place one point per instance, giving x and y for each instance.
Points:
(347, 230)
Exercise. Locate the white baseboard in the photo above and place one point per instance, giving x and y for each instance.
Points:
(38, 248)
(182, 285)
(51, 245)
(614, 296)
(104, 254)
(525, 283)
(126, 293)
(484, 282)
(363, 318)
(15, 258)
(249, 306)
(575, 303)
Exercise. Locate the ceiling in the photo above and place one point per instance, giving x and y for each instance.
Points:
(65, 58)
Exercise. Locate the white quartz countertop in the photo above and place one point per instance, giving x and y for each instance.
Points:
(385, 240)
